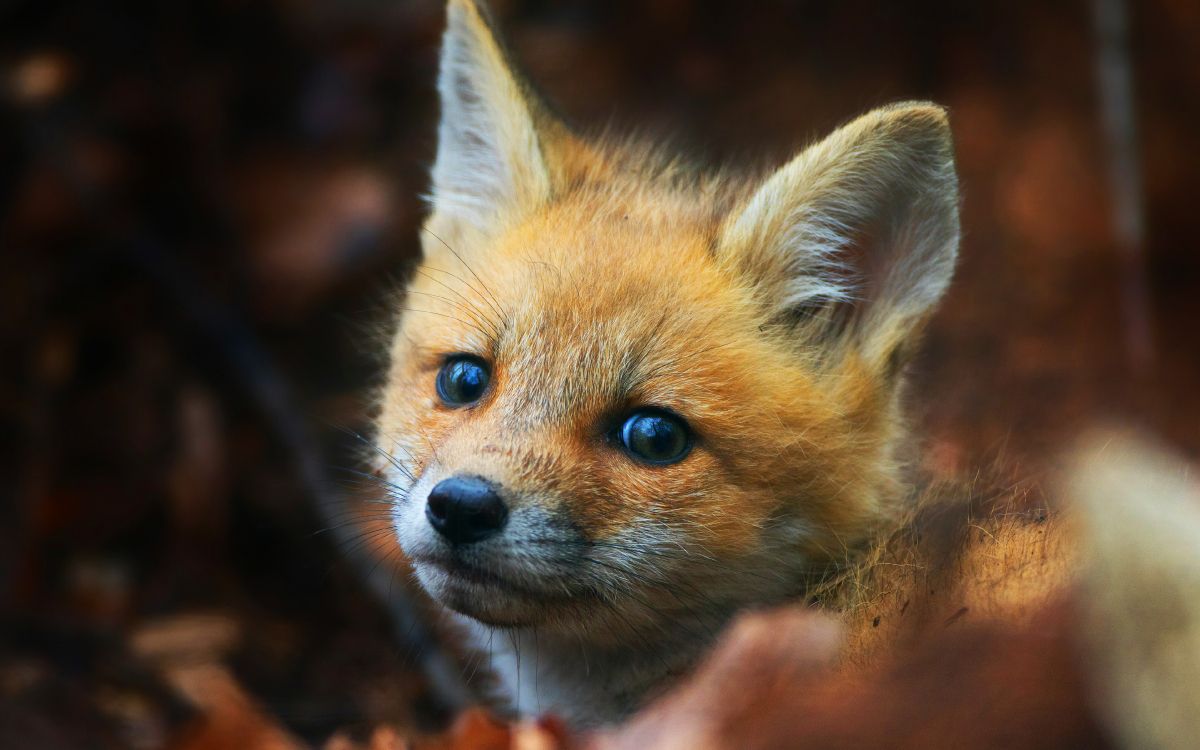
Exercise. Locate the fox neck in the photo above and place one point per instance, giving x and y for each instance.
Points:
(586, 683)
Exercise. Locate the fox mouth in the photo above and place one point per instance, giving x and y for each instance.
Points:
(476, 575)
(486, 595)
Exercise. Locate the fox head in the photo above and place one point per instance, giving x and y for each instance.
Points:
(624, 393)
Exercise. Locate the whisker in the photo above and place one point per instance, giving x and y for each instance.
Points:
(477, 323)
(493, 324)
(469, 270)
(391, 459)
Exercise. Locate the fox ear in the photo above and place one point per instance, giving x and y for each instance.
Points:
(855, 239)
(489, 160)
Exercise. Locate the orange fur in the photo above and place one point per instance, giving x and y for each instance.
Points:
(958, 561)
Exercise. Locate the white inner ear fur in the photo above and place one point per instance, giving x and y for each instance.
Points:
(867, 218)
(489, 162)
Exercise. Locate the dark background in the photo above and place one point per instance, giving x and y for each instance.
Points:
(203, 205)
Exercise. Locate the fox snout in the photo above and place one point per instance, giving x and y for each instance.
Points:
(465, 510)
(484, 544)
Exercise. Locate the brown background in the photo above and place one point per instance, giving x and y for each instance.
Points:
(204, 204)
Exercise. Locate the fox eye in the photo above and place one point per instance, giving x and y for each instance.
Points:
(462, 380)
(655, 437)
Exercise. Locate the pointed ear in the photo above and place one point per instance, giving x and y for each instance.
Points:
(490, 161)
(855, 239)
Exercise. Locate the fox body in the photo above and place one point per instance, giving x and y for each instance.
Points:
(628, 399)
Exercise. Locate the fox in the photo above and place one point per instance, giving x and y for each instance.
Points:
(629, 398)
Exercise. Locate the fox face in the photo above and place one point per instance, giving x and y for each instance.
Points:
(626, 398)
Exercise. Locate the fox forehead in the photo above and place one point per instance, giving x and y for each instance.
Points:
(587, 307)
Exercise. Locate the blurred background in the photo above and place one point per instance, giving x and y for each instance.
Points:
(203, 206)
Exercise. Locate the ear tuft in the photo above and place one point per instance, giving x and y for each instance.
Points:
(859, 233)
(489, 162)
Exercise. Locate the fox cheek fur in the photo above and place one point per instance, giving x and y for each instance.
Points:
(770, 316)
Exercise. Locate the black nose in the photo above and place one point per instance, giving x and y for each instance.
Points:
(465, 510)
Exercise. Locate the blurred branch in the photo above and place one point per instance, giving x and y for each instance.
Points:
(262, 382)
(1118, 115)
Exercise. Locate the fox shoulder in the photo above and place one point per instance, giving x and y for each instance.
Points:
(1118, 544)
(964, 554)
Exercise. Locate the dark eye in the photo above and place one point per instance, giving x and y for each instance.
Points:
(655, 437)
(462, 380)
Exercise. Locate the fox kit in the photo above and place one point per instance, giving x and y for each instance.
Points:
(627, 399)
